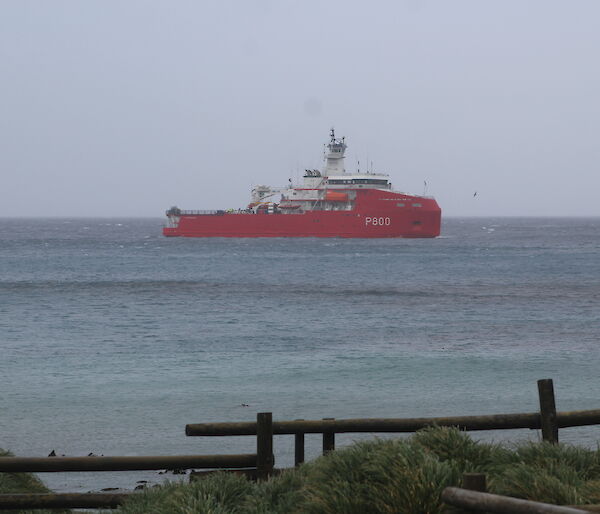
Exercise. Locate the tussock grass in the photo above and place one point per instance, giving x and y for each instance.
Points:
(19, 483)
(404, 476)
(378, 476)
(216, 494)
(281, 494)
(452, 445)
(16, 483)
(545, 455)
(558, 484)
(559, 474)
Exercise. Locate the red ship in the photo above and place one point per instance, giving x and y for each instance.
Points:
(329, 203)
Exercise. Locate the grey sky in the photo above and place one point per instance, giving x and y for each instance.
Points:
(124, 108)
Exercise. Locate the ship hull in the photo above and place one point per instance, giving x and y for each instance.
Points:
(370, 219)
(329, 203)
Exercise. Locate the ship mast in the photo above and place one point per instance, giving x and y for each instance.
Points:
(334, 157)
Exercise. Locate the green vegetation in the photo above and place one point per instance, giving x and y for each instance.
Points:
(17, 483)
(391, 476)
(380, 476)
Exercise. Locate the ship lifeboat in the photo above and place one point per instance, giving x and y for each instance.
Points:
(335, 196)
(267, 208)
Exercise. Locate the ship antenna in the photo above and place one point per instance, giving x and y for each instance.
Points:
(332, 135)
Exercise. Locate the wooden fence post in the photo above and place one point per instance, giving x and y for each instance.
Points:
(474, 482)
(298, 447)
(328, 439)
(548, 418)
(264, 445)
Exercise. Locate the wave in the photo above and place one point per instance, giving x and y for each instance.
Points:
(173, 288)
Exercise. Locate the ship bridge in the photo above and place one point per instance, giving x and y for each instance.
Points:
(360, 180)
(335, 175)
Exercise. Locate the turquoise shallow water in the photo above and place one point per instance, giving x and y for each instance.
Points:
(112, 337)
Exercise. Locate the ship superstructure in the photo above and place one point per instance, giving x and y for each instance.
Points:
(329, 203)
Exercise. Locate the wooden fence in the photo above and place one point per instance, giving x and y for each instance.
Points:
(547, 419)
(261, 463)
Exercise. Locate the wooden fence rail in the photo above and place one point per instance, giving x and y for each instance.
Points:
(63, 464)
(401, 425)
(382, 425)
(485, 502)
(472, 496)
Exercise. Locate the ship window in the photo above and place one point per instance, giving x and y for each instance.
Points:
(400, 204)
(359, 181)
(369, 181)
(417, 205)
(416, 222)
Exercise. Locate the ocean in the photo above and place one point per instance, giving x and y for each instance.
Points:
(113, 338)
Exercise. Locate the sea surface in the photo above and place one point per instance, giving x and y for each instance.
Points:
(113, 338)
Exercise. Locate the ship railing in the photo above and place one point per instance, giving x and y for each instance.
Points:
(198, 212)
(222, 212)
(219, 212)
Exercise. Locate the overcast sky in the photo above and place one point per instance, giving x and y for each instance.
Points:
(124, 108)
